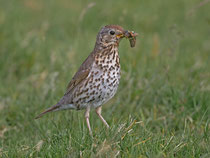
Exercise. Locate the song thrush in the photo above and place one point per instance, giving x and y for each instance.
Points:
(98, 77)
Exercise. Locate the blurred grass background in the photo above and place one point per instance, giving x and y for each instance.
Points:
(162, 105)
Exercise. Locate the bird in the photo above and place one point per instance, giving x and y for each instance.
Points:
(97, 79)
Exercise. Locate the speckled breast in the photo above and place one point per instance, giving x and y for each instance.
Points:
(103, 80)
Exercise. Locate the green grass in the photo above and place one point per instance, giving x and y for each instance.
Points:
(162, 108)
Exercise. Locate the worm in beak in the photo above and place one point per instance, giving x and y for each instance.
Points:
(131, 35)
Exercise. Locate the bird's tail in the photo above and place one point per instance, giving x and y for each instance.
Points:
(53, 108)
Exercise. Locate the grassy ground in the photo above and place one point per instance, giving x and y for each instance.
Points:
(162, 108)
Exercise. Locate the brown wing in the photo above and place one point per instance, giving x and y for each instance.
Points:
(79, 77)
(81, 74)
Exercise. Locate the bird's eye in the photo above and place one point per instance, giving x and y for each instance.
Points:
(112, 32)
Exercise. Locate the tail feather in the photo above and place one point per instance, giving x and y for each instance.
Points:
(53, 108)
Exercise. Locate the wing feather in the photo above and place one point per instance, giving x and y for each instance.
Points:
(81, 74)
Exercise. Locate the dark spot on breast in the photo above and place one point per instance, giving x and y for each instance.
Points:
(114, 81)
(93, 98)
(86, 90)
(110, 85)
(111, 68)
(96, 72)
(91, 81)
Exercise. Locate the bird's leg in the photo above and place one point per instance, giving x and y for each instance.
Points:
(87, 114)
(98, 112)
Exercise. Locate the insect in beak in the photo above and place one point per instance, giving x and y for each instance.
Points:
(131, 35)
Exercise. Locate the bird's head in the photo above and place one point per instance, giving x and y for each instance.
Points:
(111, 35)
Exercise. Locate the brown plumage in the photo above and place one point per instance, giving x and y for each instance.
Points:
(98, 77)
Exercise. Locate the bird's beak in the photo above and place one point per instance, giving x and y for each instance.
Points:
(127, 34)
(120, 35)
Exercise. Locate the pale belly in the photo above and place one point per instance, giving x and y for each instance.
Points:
(101, 89)
(108, 88)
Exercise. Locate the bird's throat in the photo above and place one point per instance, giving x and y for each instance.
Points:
(108, 59)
